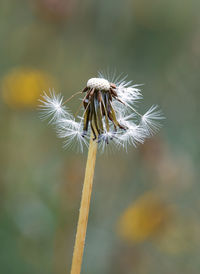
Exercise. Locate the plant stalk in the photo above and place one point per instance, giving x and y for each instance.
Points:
(84, 208)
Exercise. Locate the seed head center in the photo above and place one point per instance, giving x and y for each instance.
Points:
(98, 83)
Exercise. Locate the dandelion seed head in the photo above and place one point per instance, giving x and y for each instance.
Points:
(109, 114)
(98, 83)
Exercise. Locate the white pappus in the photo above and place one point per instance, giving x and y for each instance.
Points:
(109, 114)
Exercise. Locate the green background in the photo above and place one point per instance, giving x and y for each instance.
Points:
(157, 44)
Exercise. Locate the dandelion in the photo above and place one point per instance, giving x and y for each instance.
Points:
(108, 112)
(109, 117)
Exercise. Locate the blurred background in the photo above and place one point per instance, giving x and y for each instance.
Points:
(145, 206)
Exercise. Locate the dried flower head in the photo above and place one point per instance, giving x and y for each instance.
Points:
(108, 111)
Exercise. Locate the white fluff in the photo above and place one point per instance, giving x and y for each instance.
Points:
(51, 106)
(138, 127)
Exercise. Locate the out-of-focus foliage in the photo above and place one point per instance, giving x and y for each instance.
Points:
(144, 218)
(145, 209)
(22, 87)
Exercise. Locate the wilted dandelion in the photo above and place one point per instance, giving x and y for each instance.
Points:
(108, 112)
(109, 116)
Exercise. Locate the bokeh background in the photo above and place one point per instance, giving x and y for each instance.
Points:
(145, 207)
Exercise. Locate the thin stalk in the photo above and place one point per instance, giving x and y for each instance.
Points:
(79, 92)
(84, 208)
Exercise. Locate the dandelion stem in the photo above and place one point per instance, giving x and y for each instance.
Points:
(84, 208)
